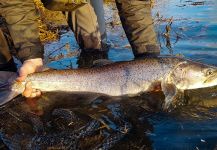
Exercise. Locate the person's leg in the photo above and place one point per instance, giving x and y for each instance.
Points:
(6, 60)
(83, 22)
(89, 35)
(21, 18)
(137, 22)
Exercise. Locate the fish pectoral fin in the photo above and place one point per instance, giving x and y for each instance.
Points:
(169, 91)
(173, 96)
(173, 101)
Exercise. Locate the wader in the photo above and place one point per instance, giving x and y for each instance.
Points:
(6, 61)
(137, 22)
(21, 23)
(88, 24)
(135, 16)
(89, 28)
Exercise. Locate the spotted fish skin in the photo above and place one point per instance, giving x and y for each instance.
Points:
(174, 75)
(123, 78)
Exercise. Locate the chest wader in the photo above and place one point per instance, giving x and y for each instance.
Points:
(63, 5)
(85, 18)
(138, 25)
(6, 44)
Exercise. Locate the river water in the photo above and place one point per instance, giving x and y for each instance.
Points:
(127, 123)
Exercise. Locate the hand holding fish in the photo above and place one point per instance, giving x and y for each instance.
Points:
(28, 67)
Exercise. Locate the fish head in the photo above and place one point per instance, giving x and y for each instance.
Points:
(194, 75)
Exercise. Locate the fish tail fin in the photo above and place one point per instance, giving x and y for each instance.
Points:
(6, 94)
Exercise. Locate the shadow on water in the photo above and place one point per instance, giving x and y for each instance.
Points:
(74, 120)
(92, 121)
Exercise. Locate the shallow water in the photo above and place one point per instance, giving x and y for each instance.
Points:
(193, 34)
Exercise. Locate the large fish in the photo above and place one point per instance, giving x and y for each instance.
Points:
(173, 75)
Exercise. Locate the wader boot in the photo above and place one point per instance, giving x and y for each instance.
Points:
(92, 38)
(93, 58)
(84, 24)
(84, 18)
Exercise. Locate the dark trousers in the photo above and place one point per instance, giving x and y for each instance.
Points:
(137, 22)
(6, 61)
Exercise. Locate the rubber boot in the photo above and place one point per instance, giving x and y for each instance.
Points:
(93, 58)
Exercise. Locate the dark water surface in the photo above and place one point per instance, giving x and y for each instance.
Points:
(63, 120)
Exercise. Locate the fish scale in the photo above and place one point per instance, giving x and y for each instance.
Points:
(115, 80)
(173, 74)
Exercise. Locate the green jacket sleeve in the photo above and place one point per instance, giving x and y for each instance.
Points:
(21, 18)
(137, 22)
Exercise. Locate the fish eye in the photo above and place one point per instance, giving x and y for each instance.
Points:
(209, 72)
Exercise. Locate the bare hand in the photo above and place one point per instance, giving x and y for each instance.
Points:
(28, 67)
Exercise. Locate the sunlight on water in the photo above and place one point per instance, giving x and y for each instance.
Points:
(194, 29)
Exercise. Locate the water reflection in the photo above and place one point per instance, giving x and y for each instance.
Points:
(85, 120)
(79, 120)
(193, 29)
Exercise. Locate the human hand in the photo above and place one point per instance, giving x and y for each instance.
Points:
(28, 67)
